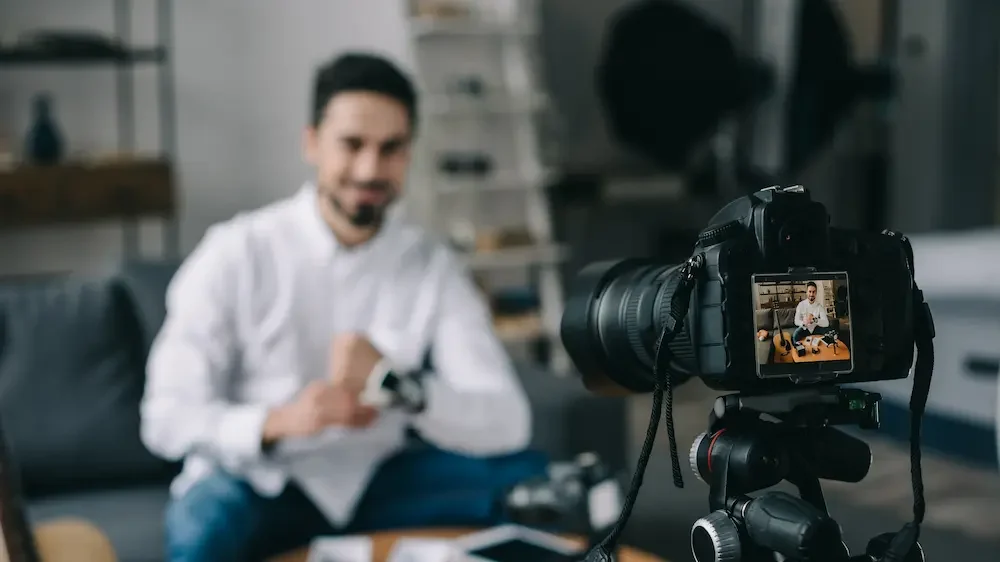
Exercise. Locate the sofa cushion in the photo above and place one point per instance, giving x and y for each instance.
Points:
(131, 517)
(70, 384)
(146, 283)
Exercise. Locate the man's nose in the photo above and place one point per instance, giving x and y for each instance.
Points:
(368, 166)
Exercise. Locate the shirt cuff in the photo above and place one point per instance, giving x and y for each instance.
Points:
(240, 432)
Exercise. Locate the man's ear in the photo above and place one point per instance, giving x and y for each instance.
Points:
(310, 145)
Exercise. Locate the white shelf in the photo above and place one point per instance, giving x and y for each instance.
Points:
(504, 181)
(525, 329)
(444, 105)
(424, 27)
(517, 257)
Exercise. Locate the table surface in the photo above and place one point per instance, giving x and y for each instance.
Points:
(840, 353)
(383, 542)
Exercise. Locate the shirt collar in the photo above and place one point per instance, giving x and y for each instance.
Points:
(321, 238)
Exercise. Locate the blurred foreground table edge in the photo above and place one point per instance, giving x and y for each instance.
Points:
(382, 543)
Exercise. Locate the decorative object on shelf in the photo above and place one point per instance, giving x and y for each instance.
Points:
(44, 144)
(68, 45)
(439, 9)
(472, 86)
(7, 157)
(499, 239)
(465, 163)
(515, 300)
(462, 235)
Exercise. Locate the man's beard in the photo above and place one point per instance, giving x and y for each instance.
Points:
(366, 215)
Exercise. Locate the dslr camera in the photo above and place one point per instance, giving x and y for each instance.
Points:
(763, 256)
(785, 313)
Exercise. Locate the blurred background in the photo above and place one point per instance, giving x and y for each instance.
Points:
(553, 133)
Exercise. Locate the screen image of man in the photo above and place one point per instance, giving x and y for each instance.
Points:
(809, 314)
(280, 319)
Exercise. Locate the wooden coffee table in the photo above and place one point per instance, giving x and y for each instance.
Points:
(383, 542)
(841, 353)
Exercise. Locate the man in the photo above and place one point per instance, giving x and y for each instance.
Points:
(278, 322)
(809, 315)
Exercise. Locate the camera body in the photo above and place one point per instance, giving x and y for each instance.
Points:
(771, 254)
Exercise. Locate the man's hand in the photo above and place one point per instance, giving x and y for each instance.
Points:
(320, 405)
(352, 359)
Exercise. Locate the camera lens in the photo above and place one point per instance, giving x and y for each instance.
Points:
(617, 310)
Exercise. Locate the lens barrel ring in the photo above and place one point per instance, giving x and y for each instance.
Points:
(632, 328)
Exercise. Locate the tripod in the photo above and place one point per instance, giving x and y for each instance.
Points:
(744, 452)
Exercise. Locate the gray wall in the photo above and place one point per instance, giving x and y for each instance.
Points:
(243, 69)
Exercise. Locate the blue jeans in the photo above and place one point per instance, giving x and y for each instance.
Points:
(222, 519)
(800, 334)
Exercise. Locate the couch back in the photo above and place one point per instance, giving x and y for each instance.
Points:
(72, 357)
(765, 318)
(72, 374)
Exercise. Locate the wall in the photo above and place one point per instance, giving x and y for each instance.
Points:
(242, 68)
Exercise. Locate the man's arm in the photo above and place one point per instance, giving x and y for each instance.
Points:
(800, 314)
(475, 403)
(822, 318)
(184, 409)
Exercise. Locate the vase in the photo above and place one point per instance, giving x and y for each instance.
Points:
(44, 145)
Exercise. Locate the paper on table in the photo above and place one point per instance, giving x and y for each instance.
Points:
(425, 550)
(341, 549)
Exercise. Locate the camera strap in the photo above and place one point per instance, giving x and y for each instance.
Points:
(679, 304)
(923, 326)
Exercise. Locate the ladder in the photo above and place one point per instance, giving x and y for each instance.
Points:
(479, 168)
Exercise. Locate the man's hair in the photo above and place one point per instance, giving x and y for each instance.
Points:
(811, 284)
(361, 72)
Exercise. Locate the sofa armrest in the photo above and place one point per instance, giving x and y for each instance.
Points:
(764, 350)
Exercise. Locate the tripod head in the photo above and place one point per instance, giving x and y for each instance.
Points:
(756, 442)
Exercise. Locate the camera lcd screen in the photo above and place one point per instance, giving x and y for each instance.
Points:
(802, 324)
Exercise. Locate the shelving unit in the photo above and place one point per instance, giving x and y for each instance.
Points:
(125, 189)
(786, 295)
(481, 110)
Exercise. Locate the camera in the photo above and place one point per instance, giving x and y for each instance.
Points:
(787, 314)
(762, 254)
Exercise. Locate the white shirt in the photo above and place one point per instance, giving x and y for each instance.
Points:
(816, 309)
(250, 317)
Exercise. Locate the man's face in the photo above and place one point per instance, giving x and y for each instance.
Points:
(811, 294)
(361, 150)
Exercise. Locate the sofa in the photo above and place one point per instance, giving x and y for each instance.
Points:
(72, 355)
(786, 322)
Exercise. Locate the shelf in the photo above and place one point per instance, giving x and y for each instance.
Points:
(521, 328)
(27, 57)
(425, 27)
(503, 181)
(514, 257)
(444, 105)
(85, 192)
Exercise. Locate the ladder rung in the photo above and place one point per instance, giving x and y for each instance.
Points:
(538, 254)
(443, 105)
(430, 27)
(499, 182)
